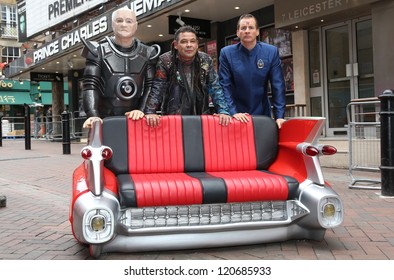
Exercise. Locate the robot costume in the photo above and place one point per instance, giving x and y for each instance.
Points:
(117, 79)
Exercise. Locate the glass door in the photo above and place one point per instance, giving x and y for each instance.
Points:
(363, 54)
(348, 68)
(364, 76)
(339, 90)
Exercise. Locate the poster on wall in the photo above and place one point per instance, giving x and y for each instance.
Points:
(265, 35)
(213, 53)
(278, 37)
(287, 68)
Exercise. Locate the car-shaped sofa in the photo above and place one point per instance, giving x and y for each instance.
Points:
(192, 183)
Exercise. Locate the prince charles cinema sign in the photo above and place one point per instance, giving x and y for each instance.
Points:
(34, 17)
(97, 27)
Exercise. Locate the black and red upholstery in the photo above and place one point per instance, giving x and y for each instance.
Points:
(194, 160)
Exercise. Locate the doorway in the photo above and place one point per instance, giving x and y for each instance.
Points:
(347, 69)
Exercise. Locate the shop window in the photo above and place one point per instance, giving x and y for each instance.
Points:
(8, 21)
(9, 54)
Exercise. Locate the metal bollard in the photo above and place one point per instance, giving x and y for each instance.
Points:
(27, 128)
(3, 201)
(1, 131)
(66, 133)
(3, 198)
(386, 142)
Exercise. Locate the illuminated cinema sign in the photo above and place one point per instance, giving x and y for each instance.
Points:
(143, 8)
(90, 30)
(36, 16)
(97, 27)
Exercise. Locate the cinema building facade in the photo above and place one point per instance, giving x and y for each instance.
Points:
(332, 51)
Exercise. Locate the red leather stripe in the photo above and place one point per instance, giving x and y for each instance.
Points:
(166, 189)
(155, 150)
(228, 148)
(253, 185)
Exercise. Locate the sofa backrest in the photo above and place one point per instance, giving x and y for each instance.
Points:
(189, 144)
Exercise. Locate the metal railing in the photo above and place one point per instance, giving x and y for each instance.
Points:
(8, 30)
(364, 142)
(44, 127)
(295, 110)
(76, 122)
(13, 127)
(50, 128)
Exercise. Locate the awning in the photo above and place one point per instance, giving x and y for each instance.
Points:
(46, 98)
(12, 93)
(14, 98)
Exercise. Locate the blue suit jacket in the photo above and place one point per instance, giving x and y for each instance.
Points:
(244, 77)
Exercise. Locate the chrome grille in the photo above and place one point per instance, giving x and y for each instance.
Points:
(210, 214)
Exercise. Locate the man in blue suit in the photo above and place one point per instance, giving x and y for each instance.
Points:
(244, 71)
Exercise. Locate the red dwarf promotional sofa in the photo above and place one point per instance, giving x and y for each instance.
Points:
(192, 183)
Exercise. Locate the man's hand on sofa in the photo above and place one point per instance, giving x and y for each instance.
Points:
(242, 117)
(89, 122)
(135, 115)
(224, 119)
(152, 120)
(279, 122)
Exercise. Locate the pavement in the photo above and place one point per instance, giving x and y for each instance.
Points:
(34, 222)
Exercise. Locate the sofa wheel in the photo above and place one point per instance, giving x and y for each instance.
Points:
(95, 251)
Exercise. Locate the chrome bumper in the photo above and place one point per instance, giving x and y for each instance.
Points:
(207, 217)
(206, 225)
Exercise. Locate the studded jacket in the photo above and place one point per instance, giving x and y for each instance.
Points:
(171, 93)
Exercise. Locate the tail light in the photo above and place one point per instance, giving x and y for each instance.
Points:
(310, 151)
(328, 150)
(86, 153)
(106, 153)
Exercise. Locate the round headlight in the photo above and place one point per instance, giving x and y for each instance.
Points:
(98, 223)
(329, 210)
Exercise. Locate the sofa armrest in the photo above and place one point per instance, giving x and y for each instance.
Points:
(294, 135)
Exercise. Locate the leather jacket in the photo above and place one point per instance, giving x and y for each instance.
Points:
(169, 89)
